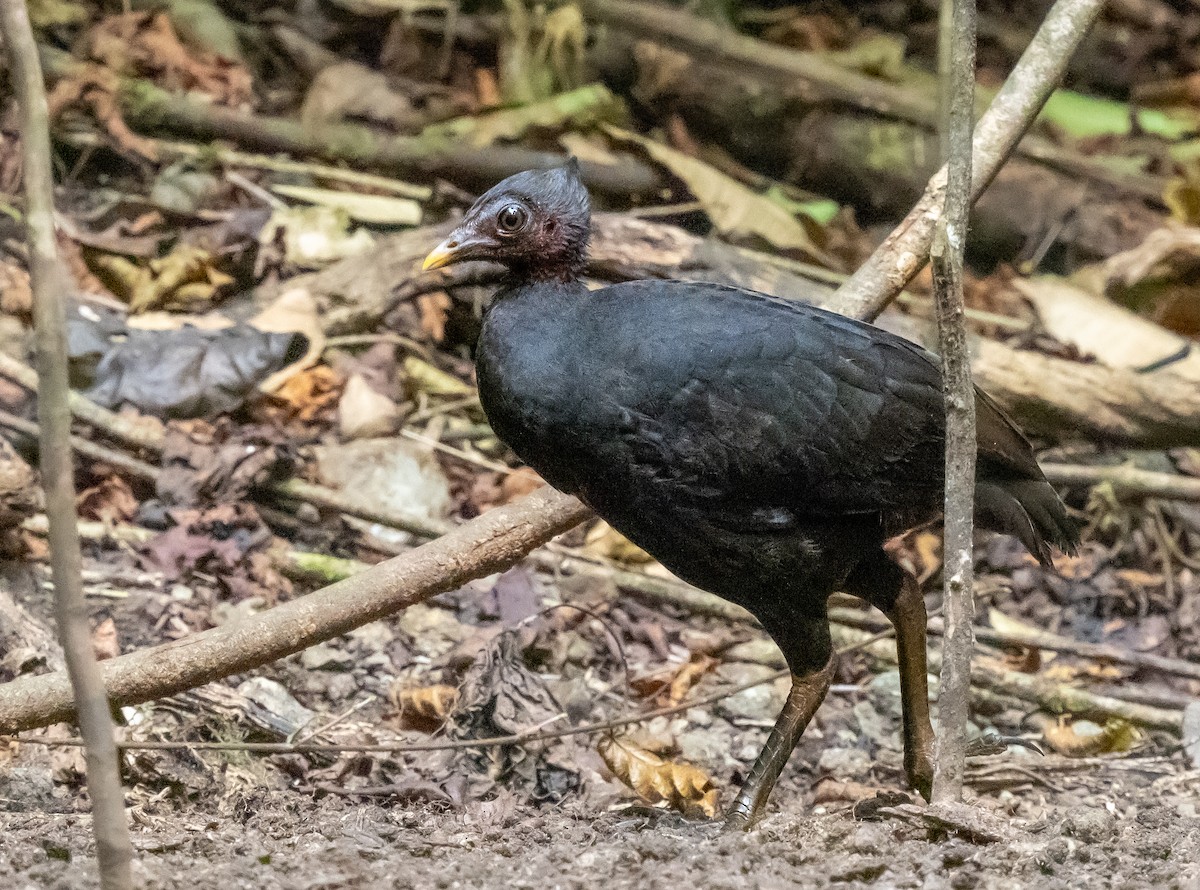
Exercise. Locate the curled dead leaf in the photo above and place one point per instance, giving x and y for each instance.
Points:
(681, 786)
(425, 704)
(1083, 738)
(688, 676)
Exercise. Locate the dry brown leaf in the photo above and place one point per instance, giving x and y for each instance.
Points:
(110, 500)
(688, 676)
(1086, 739)
(96, 89)
(681, 786)
(307, 395)
(606, 542)
(104, 640)
(145, 44)
(434, 307)
(430, 704)
(16, 298)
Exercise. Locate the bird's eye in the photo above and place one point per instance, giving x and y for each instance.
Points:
(511, 218)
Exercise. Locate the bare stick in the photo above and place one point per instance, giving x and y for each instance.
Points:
(904, 251)
(113, 848)
(488, 544)
(949, 245)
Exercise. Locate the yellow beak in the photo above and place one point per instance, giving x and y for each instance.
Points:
(442, 255)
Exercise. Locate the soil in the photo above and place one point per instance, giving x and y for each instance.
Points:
(1109, 825)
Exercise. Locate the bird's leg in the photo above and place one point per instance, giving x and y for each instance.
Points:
(806, 695)
(909, 618)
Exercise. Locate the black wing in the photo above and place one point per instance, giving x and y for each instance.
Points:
(754, 408)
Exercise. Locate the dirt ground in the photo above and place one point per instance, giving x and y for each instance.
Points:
(294, 842)
(1127, 823)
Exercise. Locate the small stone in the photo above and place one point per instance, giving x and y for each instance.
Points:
(1191, 733)
(1089, 824)
(844, 762)
(757, 651)
(364, 413)
(869, 837)
(756, 703)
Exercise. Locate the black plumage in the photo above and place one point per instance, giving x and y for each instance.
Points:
(763, 450)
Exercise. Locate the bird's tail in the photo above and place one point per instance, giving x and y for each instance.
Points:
(1029, 510)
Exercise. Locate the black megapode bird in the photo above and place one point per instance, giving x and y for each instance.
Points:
(762, 450)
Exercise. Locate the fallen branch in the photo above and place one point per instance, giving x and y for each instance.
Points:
(1057, 698)
(149, 108)
(49, 285)
(488, 544)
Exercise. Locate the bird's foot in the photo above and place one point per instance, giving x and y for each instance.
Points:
(740, 817)
(918, 767)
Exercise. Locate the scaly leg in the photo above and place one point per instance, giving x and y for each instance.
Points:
(909, 618)
(802, 702)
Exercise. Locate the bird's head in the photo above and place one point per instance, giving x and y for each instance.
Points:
(535, 223)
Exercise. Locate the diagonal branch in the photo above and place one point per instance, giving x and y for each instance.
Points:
(1012, 112)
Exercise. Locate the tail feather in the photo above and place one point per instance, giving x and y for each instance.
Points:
(1029, 510)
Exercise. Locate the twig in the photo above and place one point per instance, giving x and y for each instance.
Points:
(533, 735)
(1058, 698)
(138, 431)
(947, 252)
(1034, 78)
(1127, 482)
(1042, 639)
(490, 543)
(47, 280)
(167, 150)
(146, 106)
(150, 438)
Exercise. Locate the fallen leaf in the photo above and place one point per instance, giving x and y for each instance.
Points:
(681, 786)
(104, 640)
(434, 307)
(111, 500)
(363, 412)
(688, 676)
(735, 210)
(1083, 738)
(424, 704)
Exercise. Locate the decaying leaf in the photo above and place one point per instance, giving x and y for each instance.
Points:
(96, 89)
(423, 704)
(605, 541)
(145, 44)
(681, 786)
(185, 279)
(688, 676)
(109, 500)
(350, 90)
(424, 377)
(734, 209)
(307, 395)
(1083, 738)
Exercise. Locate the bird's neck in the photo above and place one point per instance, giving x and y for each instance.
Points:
(559, 267)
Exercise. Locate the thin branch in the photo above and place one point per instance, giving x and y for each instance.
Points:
(488, 544)
(905, 250)
(948, 249)
(113, 848)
